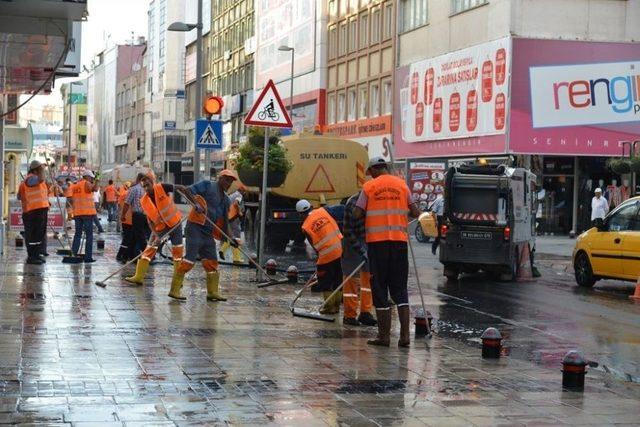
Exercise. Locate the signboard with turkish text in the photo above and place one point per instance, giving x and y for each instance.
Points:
(426, 181)
(373, 133)
(55, 217)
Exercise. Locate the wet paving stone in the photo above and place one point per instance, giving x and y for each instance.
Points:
(72, 353)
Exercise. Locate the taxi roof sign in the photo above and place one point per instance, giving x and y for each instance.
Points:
(268, 110)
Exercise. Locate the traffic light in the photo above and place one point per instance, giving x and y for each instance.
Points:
(212, 105)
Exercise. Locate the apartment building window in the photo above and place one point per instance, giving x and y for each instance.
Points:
(333, 41)
(387, 96)
(341, 107)
(342, 42)
(82, 120)
(387, 26)
(353, 6)
(331, 109)
(363, 101)
(413, 14)
(351, 106)
(374, 100)
(343, 7)
(364, 31)
(333, 9)
(353, 35)
(458, 6)
(375, 25)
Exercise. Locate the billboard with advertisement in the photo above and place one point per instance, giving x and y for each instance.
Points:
(288, 23)
(373, 133)
(55, 217)
(426, 181)
(574, 97)
(454, 103)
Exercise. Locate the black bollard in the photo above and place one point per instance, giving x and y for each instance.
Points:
(270, 266)
(422, 323)
(574, 368)
(292, 274)
(491, 343)
(100, 244)
(19, 242)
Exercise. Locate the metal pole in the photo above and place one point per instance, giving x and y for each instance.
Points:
(291, 89)
(263, 201)
(574, 202)
(196, 150)
(69, 129)
(2, 193)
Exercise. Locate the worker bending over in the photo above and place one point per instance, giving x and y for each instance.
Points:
(385, 203)
(163, 217)
(84, 213)
(211, 201)
(322, 232)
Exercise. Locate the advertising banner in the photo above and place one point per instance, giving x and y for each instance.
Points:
(284, 22)
(574, 97)
(461, 98)
(426, 181)
(55, 218)
(374, 134)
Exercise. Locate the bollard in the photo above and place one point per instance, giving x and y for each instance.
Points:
(292, 274)
(100, 244)
(491, 343)
(422, 324)
(574, 368)
(19, 242)
(270, 266)
(254, 257)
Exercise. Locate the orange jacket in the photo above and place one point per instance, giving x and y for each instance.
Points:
(128, 218)
(325, 235)
(387, 209)
(32, 198)
(200, 218)
(111, 193)
(161, 211)
(82, 199)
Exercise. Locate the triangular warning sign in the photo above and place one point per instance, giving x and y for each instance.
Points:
(320, 182)
(209, 138)
(268, 110)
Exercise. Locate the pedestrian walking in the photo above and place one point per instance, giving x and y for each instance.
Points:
(385, 203)
(322, 232)
(140, 226)
(212, 202)
(33, 195)
(111, 201)
(437, 207)
(354, 251)
(96, 201)
(125, 252)
(84, 213)
(236, 213)
(599, 208)
(163, 217)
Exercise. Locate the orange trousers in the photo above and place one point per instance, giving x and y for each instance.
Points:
(350, 294)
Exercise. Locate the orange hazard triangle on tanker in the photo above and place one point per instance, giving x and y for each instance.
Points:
(320, 182)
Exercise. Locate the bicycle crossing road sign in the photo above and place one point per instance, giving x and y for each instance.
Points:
(209, 134)
(268, 110)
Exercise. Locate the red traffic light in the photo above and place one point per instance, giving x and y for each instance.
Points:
(213, 105)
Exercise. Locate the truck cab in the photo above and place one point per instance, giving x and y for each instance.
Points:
(489, 220)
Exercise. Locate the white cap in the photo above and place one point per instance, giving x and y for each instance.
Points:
(598, 190)
(303, 206)
(88, 173)
(377, 161)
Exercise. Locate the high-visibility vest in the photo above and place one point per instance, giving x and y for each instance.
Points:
(325, 235)
(234, 211)
(387, 209)
(36, 197)
(128, 218)
(68, 192)
(82, 199)
(163, 213)
(111, 193)
(200, 218)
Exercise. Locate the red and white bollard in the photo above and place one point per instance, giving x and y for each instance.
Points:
(491, 343)
(574, 368)
(270, 266)
(292, 274)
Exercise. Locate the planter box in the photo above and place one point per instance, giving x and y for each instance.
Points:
(253, 178)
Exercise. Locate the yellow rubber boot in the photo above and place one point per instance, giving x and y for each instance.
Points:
(213, 287)
(141, 270)
(176, 285)
(237, 256)
(332, 305)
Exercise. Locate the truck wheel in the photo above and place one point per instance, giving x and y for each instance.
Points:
(451, 273)
(583, 271)
(420, 236)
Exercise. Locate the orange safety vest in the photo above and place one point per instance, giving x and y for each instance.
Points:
(163, 213)
(32, 198)
(199, 218)
(234, 211)
(68, 192)
(387, 209)
(83, 204)
(325, 235)
(110, 193)
(128, 218)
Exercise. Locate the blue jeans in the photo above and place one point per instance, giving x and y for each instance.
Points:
(112, 210)
(83, 224)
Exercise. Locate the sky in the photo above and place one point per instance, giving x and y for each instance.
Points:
(109, 22)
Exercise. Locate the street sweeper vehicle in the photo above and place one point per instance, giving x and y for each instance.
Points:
(489, 221)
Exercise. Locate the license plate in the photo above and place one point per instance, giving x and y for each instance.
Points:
(476, 235)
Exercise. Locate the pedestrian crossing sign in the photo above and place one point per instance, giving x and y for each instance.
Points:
(209, 134)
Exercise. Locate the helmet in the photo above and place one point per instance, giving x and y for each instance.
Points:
(88, 173)
(228, 174)
(377, 161)
(34, 165)
(303, 206)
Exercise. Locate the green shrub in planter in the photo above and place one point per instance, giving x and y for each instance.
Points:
(619, 166)
(249, 159)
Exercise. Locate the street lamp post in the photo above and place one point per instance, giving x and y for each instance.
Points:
(150, 142)
(285, 48)
(70, 122)
(182, 27)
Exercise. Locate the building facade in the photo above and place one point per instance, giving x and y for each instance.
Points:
(74, 131)
(360, 69)
(524, 86)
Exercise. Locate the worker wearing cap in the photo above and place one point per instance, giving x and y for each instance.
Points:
(33, 194)
(385, 203)
(126, 246)
(599, 207)
(354, 251)
(212, 202)
(132, 205)
(111, 200)
(322, 232)
(163, 217)
(84, 212)
(236, 212)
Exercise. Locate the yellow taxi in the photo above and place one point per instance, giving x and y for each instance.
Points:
(611, 250)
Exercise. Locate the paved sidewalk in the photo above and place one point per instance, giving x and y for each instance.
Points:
(74, 353)
(555, 246)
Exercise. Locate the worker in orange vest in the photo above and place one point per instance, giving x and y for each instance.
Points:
(212, 202)
(33, 194)
(236, 213)
(322, 232)
(111, 201)
(84, 211)
(67, 191)
(163, 217)
(125, 252)
(385, 203)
